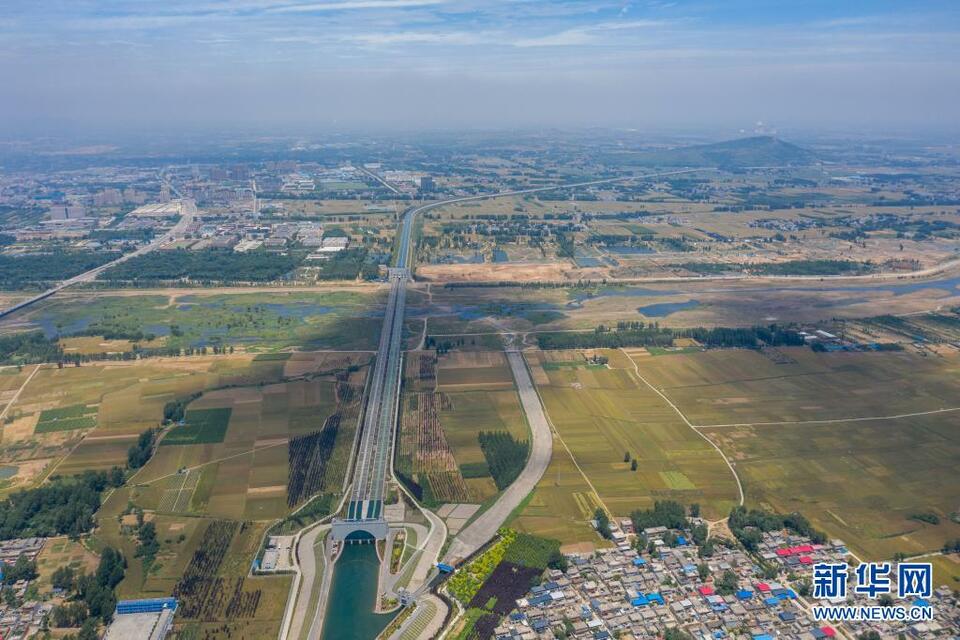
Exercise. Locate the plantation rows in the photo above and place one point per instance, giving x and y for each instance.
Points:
(428, 368)
(199, 591)
(307, 461)
(505, 456)
(344, 392)
(243, 604)
(448, 486)
(432, 455)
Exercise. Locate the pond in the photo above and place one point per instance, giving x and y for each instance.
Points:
(663, 309)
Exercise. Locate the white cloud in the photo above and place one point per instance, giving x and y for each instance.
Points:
(350, 5)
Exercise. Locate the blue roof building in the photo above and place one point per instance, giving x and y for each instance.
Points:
(148, 605)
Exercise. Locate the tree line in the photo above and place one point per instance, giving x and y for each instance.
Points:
(39, 271)
(638, 334)
(505, 456)
(205, 266)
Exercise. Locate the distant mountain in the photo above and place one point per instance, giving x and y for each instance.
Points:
(759, 151)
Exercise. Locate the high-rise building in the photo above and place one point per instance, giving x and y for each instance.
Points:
(108, 198)
(67, 211)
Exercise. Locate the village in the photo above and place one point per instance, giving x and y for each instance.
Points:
(624, 593)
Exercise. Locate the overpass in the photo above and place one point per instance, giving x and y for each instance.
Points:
(364, 521)
(186, 218)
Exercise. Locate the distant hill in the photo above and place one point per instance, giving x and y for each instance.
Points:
(759, 151)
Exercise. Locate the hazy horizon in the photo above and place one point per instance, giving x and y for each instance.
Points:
(262, 65)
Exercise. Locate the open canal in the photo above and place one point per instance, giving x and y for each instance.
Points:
(353, 595)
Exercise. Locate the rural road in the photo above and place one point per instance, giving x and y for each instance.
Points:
(481, 530)
(306, 560)
(16, 396)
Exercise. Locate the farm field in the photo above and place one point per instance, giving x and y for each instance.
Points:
(225, 476)
(727, 386)
(465, 371)
(231, 458)
(59, 552)
(263, 321)
(463, 394)
(77, 418)
(561, 506)
(96, 411)
(205, 563)
(858, 481)
(601, 413)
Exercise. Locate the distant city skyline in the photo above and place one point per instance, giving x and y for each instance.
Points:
(107, 65)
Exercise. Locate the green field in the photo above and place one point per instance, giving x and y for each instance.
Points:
(600, 414)
(201, 426)
(730, 386)
(78, 416)
(857, 480)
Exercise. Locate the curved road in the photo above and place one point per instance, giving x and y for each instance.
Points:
(478, 532)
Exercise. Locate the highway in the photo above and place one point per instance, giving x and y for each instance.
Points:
(88, 276)
(380, 414)
(376, 440)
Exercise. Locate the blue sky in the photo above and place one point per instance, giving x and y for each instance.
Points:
(267, 64)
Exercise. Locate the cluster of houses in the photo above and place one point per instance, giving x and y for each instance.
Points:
(25, 620)
(625, 593)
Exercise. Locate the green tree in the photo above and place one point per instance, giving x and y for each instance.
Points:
(727, 584)
(64, 578)
(703, 570)
(603, 523)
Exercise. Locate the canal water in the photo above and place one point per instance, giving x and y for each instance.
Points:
(353, 594)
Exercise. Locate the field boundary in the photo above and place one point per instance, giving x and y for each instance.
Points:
(828, 420)
(16, 396)
(636, 371)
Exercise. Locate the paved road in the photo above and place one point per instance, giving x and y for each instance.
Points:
(481, 530)
(430, 553)
(376, 440)
(88, 276)
(305, 584)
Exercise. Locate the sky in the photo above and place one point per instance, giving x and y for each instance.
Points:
(324, 65)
